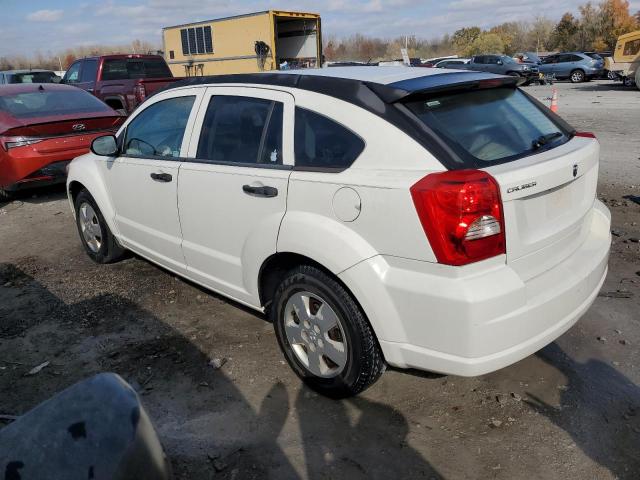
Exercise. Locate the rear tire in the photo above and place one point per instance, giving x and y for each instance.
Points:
(324, 334)
(577, 76)
(97, 239)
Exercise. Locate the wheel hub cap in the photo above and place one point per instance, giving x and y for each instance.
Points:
(90, 227)
(315, 334)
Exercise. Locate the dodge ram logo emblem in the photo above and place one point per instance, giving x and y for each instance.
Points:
(78, 127)
(575, 170)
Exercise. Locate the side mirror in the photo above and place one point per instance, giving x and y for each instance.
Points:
(500, 62)
(105, 146)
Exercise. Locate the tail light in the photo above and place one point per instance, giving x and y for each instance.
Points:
(13, 142)
(140, 92)
(461, 213)
(585, 134)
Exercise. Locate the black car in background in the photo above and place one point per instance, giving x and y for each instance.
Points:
(28, 76)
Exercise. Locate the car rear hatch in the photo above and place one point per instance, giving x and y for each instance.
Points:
(547, 201)
(546, 172)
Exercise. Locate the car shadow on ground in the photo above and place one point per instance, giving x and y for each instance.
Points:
(602, 87)
(37, 195)
(191, 403)
(599, 407)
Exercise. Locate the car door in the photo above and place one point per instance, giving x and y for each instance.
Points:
(142, 180)
(549, 64)
(232, 191)
(479, 63)
(565, 65)
(88, 73)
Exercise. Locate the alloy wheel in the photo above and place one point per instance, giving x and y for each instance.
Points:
(90, 227)
(315, 334)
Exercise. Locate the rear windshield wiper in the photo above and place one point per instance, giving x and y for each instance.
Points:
(544, 139)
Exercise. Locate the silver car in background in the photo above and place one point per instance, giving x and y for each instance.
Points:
(575, 66)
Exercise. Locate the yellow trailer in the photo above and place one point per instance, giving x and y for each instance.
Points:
(255, 42)
(626, 58)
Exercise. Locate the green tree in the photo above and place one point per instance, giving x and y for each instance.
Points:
(464, 37)
(485, 43)
(565, 32)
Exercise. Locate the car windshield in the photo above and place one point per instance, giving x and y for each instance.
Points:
(45, 103)
(489, 126)
(33, 77)
(122, 69)
(507, 59)
(595, 56)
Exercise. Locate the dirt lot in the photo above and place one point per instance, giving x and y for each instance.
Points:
(571, 411)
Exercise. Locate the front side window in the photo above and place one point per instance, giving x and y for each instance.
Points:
(73, 74)
(242, 130)
(489, 126)
(159, 129)
(322, 143)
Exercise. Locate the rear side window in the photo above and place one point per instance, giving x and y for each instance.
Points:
(489, 126)
(159, 129)
(242, 130)
(124, 69)
(321, 143)
(51, 103)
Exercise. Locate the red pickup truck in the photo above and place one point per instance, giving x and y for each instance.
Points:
(121, 81)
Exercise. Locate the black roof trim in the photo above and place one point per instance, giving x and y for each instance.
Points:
(379, 99)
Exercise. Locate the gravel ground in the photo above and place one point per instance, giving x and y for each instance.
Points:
(570, 411)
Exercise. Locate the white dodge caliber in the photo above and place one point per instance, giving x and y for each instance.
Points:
(421, 218)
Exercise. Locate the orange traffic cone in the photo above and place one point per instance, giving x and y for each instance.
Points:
(554, 101)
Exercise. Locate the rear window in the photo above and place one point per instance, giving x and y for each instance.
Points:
(33, 77)
(52, 103)
(124, 69)
(490, 126)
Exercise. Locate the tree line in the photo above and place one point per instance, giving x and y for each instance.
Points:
(62, 60)
(596, 27)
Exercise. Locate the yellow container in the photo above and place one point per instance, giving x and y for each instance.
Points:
(255, 42)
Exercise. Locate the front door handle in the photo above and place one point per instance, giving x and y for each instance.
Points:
(260, 191)
(162, 177)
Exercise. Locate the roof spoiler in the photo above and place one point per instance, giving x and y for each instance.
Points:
(449, 82)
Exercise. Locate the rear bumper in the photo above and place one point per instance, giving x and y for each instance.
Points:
(52, 174)
(480, 318)
(20, 163)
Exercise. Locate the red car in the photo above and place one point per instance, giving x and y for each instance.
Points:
(42, 128)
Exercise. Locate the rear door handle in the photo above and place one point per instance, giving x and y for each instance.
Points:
(260, 191)
(162, 177)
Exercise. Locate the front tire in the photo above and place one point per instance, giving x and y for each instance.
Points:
(324, 334)
(97, 239)
(577, 76)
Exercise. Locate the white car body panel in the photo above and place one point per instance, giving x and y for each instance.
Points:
(227, 234)
(361, 225)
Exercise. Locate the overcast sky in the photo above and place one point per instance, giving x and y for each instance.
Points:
(28, 26)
